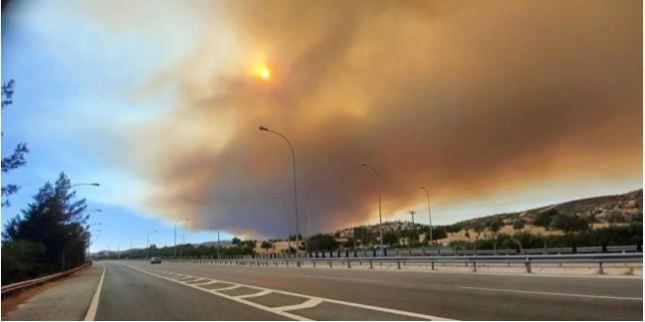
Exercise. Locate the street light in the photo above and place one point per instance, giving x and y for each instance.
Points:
(130, 253)
(429, 213)
(295, 189)
(380, 218)
(213, 228)
(95, 184)
(284, 204)
(148, 242)
(177, 221)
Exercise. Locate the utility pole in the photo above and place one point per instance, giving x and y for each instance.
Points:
(429, 214)
(380, 217)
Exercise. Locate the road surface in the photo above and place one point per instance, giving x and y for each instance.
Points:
(136, 290)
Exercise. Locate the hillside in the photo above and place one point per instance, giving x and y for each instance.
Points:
(553, 219)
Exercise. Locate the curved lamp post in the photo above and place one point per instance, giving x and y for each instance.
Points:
(429, 213)
(295, 189)
(176, 222)
(380, 218)
(148, 242)
(284, 205)
(95, 184)
(213, 228)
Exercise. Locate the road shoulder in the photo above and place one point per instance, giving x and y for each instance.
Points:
(64, 299)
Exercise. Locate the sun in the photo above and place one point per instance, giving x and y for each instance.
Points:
(265, 73)
(262, 71)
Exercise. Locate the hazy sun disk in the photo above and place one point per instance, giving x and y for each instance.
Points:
(263, 72)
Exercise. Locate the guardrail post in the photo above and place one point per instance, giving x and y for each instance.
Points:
(474, 266)
(528, 265)
(398, 264)
(371, 267)
(348, 265)
(298, 263)
(601, 271)
(314, 263)
(432, 265)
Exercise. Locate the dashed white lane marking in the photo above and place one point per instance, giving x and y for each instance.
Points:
(305, 305)
(340, 278)
(226, 288)
(554, 293)
(233, 298)
(260, 293)
(206, 283)
(90, 315)
(312, 302)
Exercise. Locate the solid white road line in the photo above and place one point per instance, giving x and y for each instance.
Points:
(94, 304)
(554, 293)
(282, 310)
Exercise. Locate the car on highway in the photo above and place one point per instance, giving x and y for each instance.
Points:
(155, 260)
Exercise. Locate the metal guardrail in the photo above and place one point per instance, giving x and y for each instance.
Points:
(7, 289)
(472, 261)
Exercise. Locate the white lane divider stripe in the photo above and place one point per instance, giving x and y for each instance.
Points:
(226, 288)
(554, 293)
(90, 315)
(305, 305)
(233, 298)
(206, 283)
(260, 293)
(363, 306)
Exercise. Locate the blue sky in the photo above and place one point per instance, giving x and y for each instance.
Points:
(71, 84)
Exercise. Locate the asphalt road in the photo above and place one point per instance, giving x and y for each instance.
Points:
(135, 290)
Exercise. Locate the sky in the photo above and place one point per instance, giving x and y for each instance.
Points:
(493, 106)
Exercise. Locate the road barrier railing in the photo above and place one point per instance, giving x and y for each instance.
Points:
(472, 262)
(11, 288)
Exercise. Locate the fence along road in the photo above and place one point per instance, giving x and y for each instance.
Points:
(603, 263)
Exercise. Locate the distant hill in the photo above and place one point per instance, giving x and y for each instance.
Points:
(603, 209)
(595, 212)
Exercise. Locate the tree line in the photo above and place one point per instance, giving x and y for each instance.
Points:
(49, 236)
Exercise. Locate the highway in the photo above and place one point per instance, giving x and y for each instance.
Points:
(136, 290)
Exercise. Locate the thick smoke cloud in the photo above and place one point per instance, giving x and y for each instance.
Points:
(465, 97)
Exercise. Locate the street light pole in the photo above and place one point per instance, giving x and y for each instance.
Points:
(284, 204)
(429, 213)
(148, 242)
(212, 228)
(295, 189)
(95, 184)
(177, 221)
(380, 217)
(131, 240)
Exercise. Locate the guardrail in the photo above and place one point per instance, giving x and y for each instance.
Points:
(7, 289)
(469, 261)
